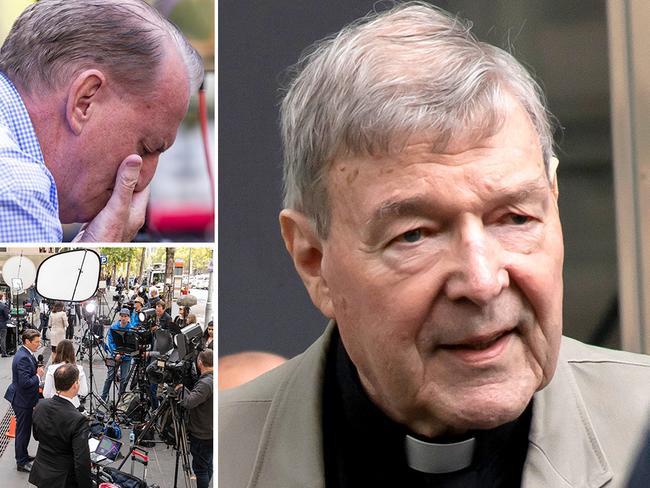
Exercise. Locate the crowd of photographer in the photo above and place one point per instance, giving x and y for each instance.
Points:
(155, 366)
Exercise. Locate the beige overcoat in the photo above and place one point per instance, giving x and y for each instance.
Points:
(585, 431)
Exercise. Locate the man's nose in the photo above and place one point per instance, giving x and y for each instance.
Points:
(478, 272)
(149, 165)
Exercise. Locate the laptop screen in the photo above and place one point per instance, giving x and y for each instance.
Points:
(107, 447)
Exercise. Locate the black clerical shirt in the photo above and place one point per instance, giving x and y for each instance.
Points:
(363, 447)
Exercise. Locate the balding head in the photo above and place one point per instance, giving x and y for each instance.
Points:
(54, 39)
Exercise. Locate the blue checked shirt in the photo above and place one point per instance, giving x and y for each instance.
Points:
(29, 208)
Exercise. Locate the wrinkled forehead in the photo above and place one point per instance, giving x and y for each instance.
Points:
(444, 135)
(504, 123)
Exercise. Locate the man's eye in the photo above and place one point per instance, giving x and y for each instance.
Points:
(412, 235)
(518, 219)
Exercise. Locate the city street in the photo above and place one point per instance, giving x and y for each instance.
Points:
(161, 466)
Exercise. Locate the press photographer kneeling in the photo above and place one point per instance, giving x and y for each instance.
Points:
(63, 456)
(198, 403)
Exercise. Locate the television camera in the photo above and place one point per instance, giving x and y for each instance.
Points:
(119, 288)
(130, 341)
(147, 316)
(175, 367)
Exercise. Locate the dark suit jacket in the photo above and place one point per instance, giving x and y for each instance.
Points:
(4, 315)
(166, 323)
(23, 390)
(63, 456)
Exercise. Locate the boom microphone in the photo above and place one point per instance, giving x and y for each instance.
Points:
(187, 301)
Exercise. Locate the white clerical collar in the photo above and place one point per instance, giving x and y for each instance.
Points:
(429, 457)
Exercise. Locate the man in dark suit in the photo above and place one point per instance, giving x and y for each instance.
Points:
(23, 394)
(63, 457)
(4, 317)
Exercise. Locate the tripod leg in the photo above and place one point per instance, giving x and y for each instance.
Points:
(181, 445)
(148, 426)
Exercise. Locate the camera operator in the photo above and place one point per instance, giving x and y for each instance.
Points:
(45, 318)
(191, 319)
(181, 319)
(142, 293)
(121, 360)
(4, 317)
(164, 320)
(63, 456)
(138, 304)
(153, 297)
(159, 346)
(198, 403)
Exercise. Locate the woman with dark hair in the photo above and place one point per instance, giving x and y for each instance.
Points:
(208, 337)
(58, 324)
(64, 354)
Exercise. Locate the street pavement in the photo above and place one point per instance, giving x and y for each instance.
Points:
(162, 459)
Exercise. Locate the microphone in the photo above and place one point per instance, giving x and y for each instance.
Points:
(39, 360)
(187, 301)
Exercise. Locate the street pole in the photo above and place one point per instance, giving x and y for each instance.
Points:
(208, 303)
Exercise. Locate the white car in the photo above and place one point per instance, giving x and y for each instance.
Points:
(202, 282)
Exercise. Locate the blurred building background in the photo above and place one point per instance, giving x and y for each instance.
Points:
(565, 44)
(181, 206)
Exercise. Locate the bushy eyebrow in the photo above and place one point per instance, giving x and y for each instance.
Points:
(421, 205)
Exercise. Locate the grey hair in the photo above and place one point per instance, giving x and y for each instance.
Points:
(52, 40)
(385, 77)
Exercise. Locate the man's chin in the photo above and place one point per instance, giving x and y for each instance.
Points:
(489, 411)
(84, 211)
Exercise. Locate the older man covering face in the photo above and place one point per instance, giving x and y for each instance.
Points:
(91, 93)
(421, 214)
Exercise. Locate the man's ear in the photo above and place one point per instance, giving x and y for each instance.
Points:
(82, 98)
(552, 176)
(306, 250)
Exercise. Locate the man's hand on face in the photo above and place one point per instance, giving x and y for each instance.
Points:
(124, 213)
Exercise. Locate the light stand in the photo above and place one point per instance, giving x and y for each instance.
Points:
(92, 394)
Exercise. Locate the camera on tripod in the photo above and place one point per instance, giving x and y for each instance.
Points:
(129, 341)
(172, 368)
(165, 370)
(117, 296)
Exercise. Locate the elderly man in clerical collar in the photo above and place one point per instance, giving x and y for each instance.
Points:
(421, 214)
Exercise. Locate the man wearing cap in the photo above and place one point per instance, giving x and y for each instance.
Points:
(138, 303)
(121, 360)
